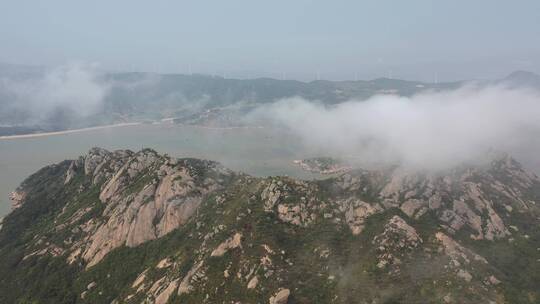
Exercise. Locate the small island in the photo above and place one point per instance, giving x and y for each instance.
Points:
(323, 165)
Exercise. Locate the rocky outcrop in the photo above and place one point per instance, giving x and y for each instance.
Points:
(272, 194)
(231, 243)
(253, 282)
(462, 199)
(186, 283)
(396, 241)
(164, 294)
(100, 164)
(281, 297)
(17, 199)
(458, 254)
(146, 196)
(466, 198)
(356, 213)
(223, 237)
(288, 200)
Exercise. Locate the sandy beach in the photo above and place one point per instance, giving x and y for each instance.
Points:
(68, 131)
(219, 128)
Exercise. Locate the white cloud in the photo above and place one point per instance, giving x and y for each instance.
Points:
(429, 130)
(73, 87)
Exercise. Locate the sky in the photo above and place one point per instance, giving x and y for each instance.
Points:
(302, 39)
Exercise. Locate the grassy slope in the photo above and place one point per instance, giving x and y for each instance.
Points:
(300, 267)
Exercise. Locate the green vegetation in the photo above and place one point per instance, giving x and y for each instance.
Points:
(318, 258)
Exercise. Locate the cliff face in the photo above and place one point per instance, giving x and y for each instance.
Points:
(144, 196)
(125, 227)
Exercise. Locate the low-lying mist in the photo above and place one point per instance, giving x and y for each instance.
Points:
(64, 92)
(432, 130)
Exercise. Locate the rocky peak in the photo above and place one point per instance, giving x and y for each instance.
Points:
(397, 240)
(474, 198)
(142, 195)
(192, 231)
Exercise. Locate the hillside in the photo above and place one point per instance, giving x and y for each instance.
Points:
(140, 227)
(149, 97)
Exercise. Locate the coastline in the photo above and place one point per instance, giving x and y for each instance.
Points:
(219, 128)
(127, 124)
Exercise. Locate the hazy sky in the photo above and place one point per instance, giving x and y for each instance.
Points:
(292, 39)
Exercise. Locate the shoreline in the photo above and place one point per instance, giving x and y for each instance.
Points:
(127, 124)
(219, 128)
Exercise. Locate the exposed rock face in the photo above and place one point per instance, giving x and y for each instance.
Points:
(186, 284)
(459, 255)
(356, 213)
(168, 230)
(277, 198)
(139, 279)
(253, 282)
(465, 275)
(170, 192)
(17, 199)
(397, 239)
(231, 243)
(493, 280)
(165, 263)
(462, 199)
(281, 297)
(165, 294)
(411, 206)
(71, 172)
(272, 194)
(101, 164)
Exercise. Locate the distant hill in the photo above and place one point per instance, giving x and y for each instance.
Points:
(148, 96)
(523, 78)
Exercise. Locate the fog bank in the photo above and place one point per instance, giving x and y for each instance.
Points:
(433, 130)
(68, 91)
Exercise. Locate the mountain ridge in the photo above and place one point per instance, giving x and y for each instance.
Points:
(132, 227)
(139, 96)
